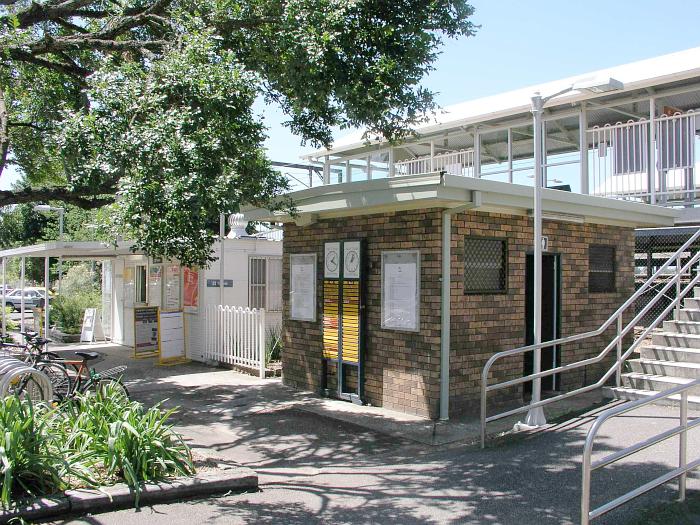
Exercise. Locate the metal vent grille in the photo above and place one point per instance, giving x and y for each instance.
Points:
(484, 265)
(601, 268)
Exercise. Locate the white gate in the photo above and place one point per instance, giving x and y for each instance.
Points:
(236, 336)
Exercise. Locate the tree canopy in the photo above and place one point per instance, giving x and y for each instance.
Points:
(148, 105)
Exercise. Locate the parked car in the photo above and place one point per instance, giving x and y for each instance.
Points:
(8, 289)
(32, 298)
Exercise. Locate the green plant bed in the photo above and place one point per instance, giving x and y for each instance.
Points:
(94, 440)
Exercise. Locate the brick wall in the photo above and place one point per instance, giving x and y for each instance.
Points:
(402, 368)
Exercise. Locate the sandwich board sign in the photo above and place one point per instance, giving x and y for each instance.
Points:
(172, 338)
(92, 327)
(146, 331)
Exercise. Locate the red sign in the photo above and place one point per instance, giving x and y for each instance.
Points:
(190, 278)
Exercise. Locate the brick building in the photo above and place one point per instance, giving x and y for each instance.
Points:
(588, 272)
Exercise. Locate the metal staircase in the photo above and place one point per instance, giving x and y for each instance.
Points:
(672, 359)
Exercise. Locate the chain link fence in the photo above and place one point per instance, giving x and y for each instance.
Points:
(653, 247)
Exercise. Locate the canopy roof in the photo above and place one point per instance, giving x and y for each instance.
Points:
(71, 250)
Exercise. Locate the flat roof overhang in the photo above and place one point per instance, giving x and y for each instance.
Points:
(71, 250)
(434, 190)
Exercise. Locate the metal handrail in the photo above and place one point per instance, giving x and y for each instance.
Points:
(588, 466)
(617, 341)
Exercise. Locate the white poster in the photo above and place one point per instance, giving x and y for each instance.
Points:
(172, 287)
(302, 291)
(155, 285)
(400, 290)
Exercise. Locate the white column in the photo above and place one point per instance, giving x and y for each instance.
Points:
(222, 236)
(477, 154)
(47, 284)
(369, 167)
(445, 315)
(583, 147)
(432, 156)
(510, 155)
(348, 171)
(651, 163)
(326, 171)
(535, 416)
(21, 301)
(392, 169)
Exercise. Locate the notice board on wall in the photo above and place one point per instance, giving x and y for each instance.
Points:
(172, 338)
(146, 331)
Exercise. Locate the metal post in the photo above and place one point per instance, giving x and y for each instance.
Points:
(326, 171)
(618, 372)
(445, 316)
(369, 167)
(348, 171)
(46, 297)
(21, 300)
(510, 155)
(222, 236)
(535, 416)
(262, 344)
(477, 154)
(585, 486)
(651, 162)
(392, 168)
(2, 306)
(683, 446)
(583, 147)
(677, 310)
(432, 156)
(60, 211)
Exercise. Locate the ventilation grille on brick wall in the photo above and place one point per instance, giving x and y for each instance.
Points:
(484, 265)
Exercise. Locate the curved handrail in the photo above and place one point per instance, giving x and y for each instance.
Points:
(615, 316)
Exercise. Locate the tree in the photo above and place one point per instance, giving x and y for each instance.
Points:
(147, 105)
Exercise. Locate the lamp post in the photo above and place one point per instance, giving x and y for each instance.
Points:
(535, 416)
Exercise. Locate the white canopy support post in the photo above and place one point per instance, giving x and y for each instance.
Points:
(583, 147)
(60, 274)
(47, 283)
(535, 417)
(4, 284)
(21, 292)
(222, 235)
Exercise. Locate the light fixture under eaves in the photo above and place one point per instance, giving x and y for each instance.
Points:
(561, 217)
(598, 85)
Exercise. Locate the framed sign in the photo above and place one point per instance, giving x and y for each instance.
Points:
(351, 260)
(155, 285)
(401, 290)
(331, 260)
(146, 331)
(172, 287)
(190, 289)
(302, 289)
(172, 337)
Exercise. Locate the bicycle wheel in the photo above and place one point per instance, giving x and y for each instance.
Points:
(59, 377)
(27, 387)
(110, 387)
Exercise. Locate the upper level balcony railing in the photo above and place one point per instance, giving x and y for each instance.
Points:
(648, 160)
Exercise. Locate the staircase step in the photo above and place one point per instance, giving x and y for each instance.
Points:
(632, 394)
(692, 302)
(665, 368)
(676, 339)
(670, 353)
(689, 314)
(658, 383)
(682, 327)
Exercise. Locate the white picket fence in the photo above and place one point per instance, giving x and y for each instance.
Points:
(236, 336)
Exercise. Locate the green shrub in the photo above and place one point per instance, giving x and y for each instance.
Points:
(273, 344)
(68, 310)
(92, 440)
(10, 324)
(30, 460)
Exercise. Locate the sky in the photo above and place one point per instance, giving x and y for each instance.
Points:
(521, 43)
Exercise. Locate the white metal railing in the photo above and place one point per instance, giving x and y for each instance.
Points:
(620, 165)
(617, 319)
(236, 336)
(681, 472)
(453, 163)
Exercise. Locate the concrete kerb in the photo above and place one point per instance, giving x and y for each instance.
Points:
(93, 501)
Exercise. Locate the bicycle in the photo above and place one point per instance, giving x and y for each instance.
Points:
(88, 379)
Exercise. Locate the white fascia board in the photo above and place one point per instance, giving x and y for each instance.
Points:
(448, 191)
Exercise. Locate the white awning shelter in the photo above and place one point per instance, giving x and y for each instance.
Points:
(68, 250)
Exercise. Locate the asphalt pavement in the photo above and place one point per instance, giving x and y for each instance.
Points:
(319, 462)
